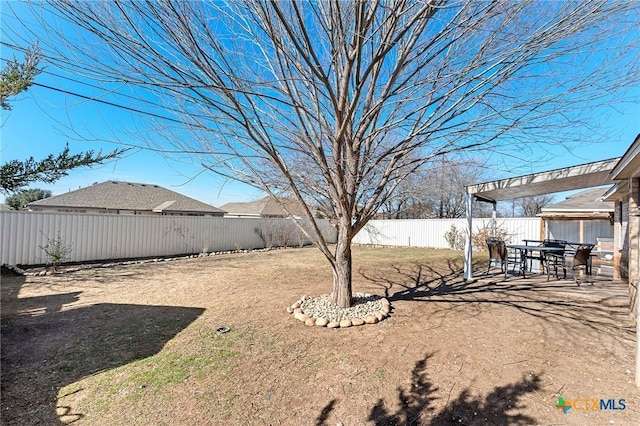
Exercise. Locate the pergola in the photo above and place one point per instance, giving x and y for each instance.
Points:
(565, 179)
(559, 180)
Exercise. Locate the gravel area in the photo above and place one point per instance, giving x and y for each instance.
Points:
(322, 307)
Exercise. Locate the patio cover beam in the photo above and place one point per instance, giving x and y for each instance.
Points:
(559, 180)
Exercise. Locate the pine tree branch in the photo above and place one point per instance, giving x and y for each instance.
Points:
(16, 174)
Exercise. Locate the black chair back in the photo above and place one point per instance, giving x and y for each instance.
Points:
(554, 243)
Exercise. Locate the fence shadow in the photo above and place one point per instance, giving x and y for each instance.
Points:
(45, 348)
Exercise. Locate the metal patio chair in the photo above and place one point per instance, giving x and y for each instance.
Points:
(573, 260)
(499, 255)
(555, 260)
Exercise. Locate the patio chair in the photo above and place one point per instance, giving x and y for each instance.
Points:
(555, 259)
(580, 258)
(499, 255)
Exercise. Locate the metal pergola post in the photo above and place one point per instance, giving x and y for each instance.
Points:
(468, 252)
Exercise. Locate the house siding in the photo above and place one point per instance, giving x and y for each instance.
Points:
(633, 240)
(120, 211)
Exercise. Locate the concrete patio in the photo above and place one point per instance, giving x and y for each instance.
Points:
(600, 288)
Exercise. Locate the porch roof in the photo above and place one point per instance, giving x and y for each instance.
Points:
(565, 179)
(587, 175)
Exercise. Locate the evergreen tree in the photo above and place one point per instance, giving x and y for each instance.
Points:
(19, 200)
(15, 78)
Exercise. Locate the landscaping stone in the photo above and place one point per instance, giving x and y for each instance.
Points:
(357, 321)
(64, 270)
(371, 319)
(366, 309)
(322, 322)
(300, 316)
(345, 323)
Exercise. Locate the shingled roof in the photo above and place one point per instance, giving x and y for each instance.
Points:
(264, 207)
(587, 203)
(140, 197)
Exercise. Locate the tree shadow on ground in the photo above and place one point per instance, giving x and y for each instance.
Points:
(413, 402)
(421, 276)
(541, 299)
(45, 348)
(326, 411)
(502, 406)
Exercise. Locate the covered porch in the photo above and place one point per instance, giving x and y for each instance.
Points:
(566, 179)
(601, 289)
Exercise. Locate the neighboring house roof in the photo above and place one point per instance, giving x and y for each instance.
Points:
(265, 207)
(587, 203)
(115, 195)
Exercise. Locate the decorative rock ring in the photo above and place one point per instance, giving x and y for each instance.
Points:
(317, 311)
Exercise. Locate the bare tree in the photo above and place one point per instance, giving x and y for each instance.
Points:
(436, 190)
(408, 199)
(445, 180)
(531, 206)
(361, 93)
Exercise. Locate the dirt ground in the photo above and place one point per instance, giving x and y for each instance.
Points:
(138, 345)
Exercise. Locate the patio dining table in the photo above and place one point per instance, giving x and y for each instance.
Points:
(525, 251)
(569, 244)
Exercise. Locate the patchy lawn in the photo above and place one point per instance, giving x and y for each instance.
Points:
(137, 344)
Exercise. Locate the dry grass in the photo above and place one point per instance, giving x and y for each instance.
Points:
(137, 344)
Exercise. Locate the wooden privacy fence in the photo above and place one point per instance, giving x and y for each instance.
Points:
(444, 233)
(104, 236)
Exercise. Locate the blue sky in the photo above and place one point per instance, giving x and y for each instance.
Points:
(40, 119)
(43, 121)
(39, 123)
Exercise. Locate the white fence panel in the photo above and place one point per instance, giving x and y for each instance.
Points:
(431, 232)
(569, 230)
(521, 228)
(103, 236)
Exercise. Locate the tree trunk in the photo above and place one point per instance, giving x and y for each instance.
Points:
(342, 293)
